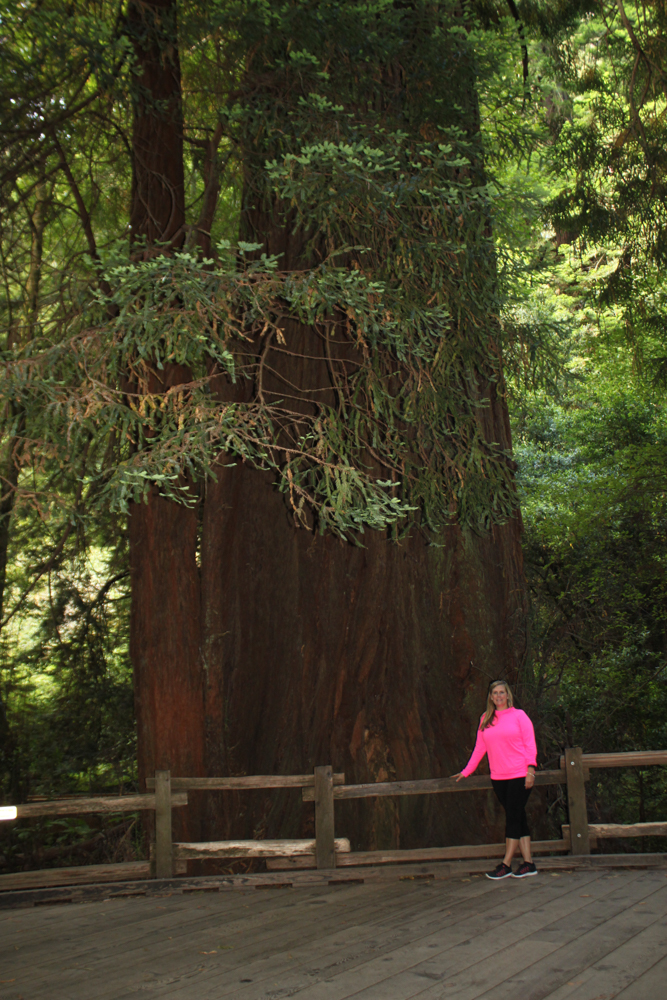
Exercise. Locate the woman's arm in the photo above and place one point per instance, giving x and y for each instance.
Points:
(528, 734)
(530, 748)
(477, 755)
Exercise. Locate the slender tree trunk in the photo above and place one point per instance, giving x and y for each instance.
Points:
(9, 474)
(158, 192)
(164, 630)
(10, 469)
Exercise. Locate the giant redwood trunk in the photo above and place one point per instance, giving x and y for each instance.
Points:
(374, 658)
(284, 648)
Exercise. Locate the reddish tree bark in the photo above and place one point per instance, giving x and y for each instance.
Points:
(164, 630)
(373, 659)
(158, 194)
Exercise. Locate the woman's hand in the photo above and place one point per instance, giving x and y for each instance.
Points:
(530, 779)
(457, 776)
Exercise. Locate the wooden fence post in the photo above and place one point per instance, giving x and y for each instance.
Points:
(576, 801)
(164, 863)
(325, 852)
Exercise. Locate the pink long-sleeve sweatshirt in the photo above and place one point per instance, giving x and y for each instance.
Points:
(510, 743)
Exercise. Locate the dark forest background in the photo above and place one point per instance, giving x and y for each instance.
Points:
(572, 105)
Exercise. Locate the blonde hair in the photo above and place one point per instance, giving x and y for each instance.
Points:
(490, 713)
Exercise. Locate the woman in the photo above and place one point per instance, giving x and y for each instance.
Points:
(506, 734)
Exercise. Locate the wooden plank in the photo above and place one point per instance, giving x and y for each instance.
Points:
(544, 957)
(621, 968)
(294, 862)
(257, 931)
(315, 949)
(429, 786)
(247, 782)
(184, 970)
(325, 852)
(81, 875)
(605, 830)
(415, 855)
(139, 918)
(171, 958)
(386, 876)
(311, 967)
(635, 758)
(168, 958)
(576, 801)
(484, 964)
(252, 848)
(77, 875)
(99, 804)
(263, 956)
(650, 985)
(562, 862)
(225, 883)
(597, 933)
(164, 865)
(397, 948)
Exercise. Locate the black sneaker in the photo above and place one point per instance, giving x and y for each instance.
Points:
(527, 868)
(502, 871)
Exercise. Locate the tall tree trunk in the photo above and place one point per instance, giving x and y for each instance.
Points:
(10, 469)
(9, 474)
(164, 630)
(158, 191)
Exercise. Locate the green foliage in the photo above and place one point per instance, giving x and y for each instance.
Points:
(380, 172)
(595, 512)
(585, 342)
(609, 150)
(65, 680)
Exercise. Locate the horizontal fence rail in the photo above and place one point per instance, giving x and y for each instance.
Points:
(96, 804)
(632, 758)
(606, 831)
(429, 786)
(324, 788)
(257, 781)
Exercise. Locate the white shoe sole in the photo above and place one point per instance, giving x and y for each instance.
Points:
(499, 878)
(524, 875)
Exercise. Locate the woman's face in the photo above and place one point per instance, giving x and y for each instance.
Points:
(499, 696)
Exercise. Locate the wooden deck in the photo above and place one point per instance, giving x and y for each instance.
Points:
(577, 935)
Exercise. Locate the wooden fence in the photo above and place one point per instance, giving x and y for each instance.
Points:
(324, 788)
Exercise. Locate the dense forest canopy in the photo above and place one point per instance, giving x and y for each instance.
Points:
(525, 213)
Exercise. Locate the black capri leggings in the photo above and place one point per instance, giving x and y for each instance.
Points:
(513, 795)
